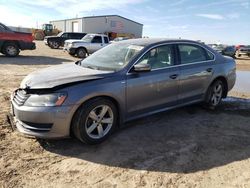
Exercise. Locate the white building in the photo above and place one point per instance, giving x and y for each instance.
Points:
(100, 24)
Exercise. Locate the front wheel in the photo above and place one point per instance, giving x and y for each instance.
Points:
(54, 45)
(214, 94)
(95, 121)
(81, 53)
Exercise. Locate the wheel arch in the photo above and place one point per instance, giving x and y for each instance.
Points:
(108, 97)
(224, 81)
(11, 41)
(83, 47)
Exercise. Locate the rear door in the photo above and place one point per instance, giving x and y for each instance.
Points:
(156, 89)
(196, 70)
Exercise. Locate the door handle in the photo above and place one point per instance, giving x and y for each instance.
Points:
(209, 70)
(173, 76)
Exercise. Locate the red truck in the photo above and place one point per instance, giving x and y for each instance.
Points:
(11, 42)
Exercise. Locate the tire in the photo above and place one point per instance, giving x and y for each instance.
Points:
(81, 53)
(54, 45)
(94, 121)
(11, 49)
(214, 94)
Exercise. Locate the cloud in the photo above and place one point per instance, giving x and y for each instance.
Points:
(27, 13)
(73, 7)
(177, 3)
(211, 16)
(233, 15)
(232, 3)
(12, 18)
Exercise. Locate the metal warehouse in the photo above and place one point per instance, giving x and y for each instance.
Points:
(100, 24)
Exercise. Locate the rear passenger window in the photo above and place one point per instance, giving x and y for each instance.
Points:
(210, 55)
(106, 40)
(193, 53)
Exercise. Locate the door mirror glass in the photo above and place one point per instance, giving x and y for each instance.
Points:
(142, 67)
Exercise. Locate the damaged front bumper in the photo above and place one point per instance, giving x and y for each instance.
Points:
(41, 122)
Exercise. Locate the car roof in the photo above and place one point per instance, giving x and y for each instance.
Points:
(149, 41)
(97, 34)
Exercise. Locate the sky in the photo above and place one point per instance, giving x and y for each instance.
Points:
(211, 21)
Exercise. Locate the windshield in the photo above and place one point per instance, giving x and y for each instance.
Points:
(113, 57)
(88, 38)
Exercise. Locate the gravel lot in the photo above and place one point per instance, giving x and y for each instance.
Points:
(186, 147)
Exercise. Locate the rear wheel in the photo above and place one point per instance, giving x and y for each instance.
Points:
(95, 121)
(214, 94)
(81, 53)
(11, 50)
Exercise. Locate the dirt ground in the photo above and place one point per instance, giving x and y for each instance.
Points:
(186, 147)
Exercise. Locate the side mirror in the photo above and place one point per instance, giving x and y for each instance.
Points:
(142, 68)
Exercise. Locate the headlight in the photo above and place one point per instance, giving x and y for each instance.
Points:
(53, 99)
(70, 44)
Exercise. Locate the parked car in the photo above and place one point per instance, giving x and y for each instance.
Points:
(121, 82)
(225, 50)
(239, 46)
(11, 42)
(87, 45)
(57, 41)
(243, 51)
(229, 51)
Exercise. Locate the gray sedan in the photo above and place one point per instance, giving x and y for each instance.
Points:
(126, 80)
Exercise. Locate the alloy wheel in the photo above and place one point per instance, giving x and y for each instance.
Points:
(11, 50)
(99, 121)
(216, 94)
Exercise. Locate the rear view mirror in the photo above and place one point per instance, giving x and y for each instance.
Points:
(142, 67)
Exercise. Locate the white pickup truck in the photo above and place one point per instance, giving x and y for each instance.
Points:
(89, 44)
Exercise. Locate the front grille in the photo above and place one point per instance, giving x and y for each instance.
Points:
(20, 96)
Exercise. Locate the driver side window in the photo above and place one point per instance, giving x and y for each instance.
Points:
(159, 57)
(97, 39)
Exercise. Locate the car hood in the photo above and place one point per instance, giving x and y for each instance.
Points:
(58, 75)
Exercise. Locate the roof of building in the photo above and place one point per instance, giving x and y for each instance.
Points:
(97, 17)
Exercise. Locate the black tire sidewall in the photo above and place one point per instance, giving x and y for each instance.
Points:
(78, 53)
(210, 92)
(13, 45)
(83, 112)
(55, 47)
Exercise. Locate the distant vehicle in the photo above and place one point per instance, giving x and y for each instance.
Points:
(239, 46)
(11, 42)
(87, 45)
(47, 30)
(225, 50)
(243, 51)
(229, 51)
(57, 41)
(120, 82)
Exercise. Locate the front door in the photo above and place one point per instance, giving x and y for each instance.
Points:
(96, 44)
(156, 89)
